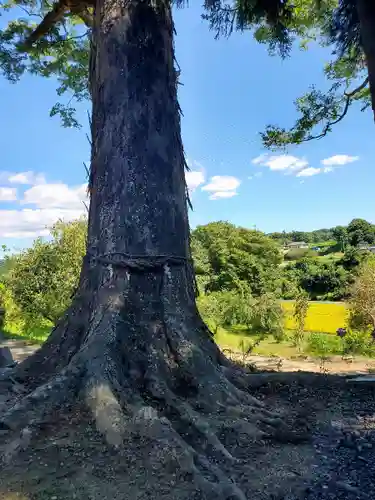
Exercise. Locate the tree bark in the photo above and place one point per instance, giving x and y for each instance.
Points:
(132, 346)
(366, 14)
(138, 211)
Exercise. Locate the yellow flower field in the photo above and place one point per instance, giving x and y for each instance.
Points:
(321, 317)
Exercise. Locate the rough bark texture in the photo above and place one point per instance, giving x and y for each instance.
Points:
(132, 346)
(366, 14)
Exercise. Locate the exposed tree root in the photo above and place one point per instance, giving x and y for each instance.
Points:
(158, 378)
(35, 406)
(190, 428)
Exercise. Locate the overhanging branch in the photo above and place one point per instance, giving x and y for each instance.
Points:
(316, 108)
(358, 89)
(86, 17)
(49, 20)
(56, 15)
(348, 99)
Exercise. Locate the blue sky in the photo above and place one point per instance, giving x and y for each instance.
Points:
(231, 90)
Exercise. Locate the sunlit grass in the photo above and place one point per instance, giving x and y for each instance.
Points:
(268, 346)
(36, 333)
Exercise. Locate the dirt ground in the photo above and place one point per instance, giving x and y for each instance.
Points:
(334, 365)
(70, 460)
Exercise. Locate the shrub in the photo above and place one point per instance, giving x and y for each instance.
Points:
(357, 342)
(44, 277)
(297, 253)
(362, 301)
(260, 315)
(323, 345)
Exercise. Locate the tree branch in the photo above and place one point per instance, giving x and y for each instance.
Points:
(86, 17)
(55, 16)
(68, 39)
(28, 12)
(49, 20)
(349, 96)
(358, 89)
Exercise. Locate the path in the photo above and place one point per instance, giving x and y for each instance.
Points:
(335, 365)
(21, 349)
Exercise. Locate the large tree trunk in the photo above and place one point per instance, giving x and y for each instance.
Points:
(133, 346)
(366, 14)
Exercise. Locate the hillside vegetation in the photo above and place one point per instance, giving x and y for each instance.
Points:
(245, 284)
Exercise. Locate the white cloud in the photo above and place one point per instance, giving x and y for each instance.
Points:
(222, 186)
(44, 204)
(300, 167)
(308, 172)
(49, 203)
(28, 223)
(284, 163)
(8, 194)
(259, 159)
(27, 178)
(194, 179)
(222, 194)
(57, 195)
(339, 160)
(222, 183)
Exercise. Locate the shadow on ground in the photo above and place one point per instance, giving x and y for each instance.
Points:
(69, 459)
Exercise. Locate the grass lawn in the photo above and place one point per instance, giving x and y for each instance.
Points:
(314, 343)
(323, 244)
(330, 257)
(268, 347)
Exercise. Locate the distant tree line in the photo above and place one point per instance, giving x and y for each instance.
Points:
(309, 237)
(357, 232)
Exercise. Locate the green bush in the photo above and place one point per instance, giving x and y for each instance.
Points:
(296, 253)
(261, 316)
(357, 342)
(44, 277)
(321, 344)
(354, 343)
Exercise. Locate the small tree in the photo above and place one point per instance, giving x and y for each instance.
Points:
(362, 301)
(301, 307)
(261, 316)
(268, 317)
(323, 346)
(340, 233)
(44, 277)
(211, 309)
